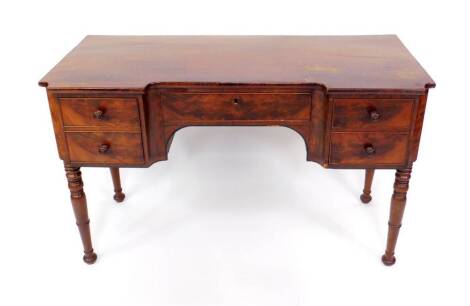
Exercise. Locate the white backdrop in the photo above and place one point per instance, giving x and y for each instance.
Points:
(236, 216)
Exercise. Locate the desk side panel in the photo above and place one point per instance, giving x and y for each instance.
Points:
(418, 127)
(58, 125)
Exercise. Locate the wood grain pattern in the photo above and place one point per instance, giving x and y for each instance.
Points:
(123, 148)
(337, 62)
(115, 113)
(235, 106)
(372, 114)
(58, 125)
(351, 149)
(417, 127)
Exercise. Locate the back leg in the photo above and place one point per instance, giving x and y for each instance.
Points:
(118, 195)
(365, 196)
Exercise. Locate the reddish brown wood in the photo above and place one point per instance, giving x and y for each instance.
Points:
(365, 196)
(78, 198)
(100, 147)
(58, 124)
(235, 106)
(319, 126)
(372, 114)
(397, 208)
(118, 194)
(357, 102)
(368, 148)
(104, 113)
(417, 127)
(338, 62)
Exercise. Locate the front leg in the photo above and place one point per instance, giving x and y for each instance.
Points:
(78, 198)
(397, 208)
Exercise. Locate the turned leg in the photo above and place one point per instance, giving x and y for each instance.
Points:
(397, 207)
(118, 195)
(365, 196)
(78, 198)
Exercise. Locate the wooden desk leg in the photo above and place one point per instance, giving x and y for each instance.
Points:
(397, 208)
(78, 198)
(365, 196)
(118, 195)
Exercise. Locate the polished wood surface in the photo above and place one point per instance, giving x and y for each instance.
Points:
(235, 106)
(372, 114)
(337, 62)
(105, 113)
(368, 148)
(358, 102)
(107, 147)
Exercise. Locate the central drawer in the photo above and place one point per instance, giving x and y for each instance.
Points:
(236, 106)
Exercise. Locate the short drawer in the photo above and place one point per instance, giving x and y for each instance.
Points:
(368, 148)
(105, 147)
(106, 113)
(262, 106)
(372, 114)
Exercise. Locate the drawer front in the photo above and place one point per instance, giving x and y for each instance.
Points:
(372, 114)
(100, 147)
(262, 106)
(368, 148)
(107, 113)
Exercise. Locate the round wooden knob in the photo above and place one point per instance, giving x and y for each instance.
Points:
(374, 114)
(369, 148)
(236, 101)
(103, 148)
(99, 114)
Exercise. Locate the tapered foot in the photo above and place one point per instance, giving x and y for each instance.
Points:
(90, 258)
(388, 261)
(365, 196)
(119, 197)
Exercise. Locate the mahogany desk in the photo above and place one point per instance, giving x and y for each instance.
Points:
(357, 102)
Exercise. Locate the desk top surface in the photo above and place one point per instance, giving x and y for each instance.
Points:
(337, 62)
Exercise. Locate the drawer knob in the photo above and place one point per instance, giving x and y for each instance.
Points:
(104, 148)
(236, 101)
(374, 114)
(369, 148)
(99, 114)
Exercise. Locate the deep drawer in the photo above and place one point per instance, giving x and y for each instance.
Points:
(368, 148)
(235, 106)
(105, 147)
(372, 114)
(106, 113)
